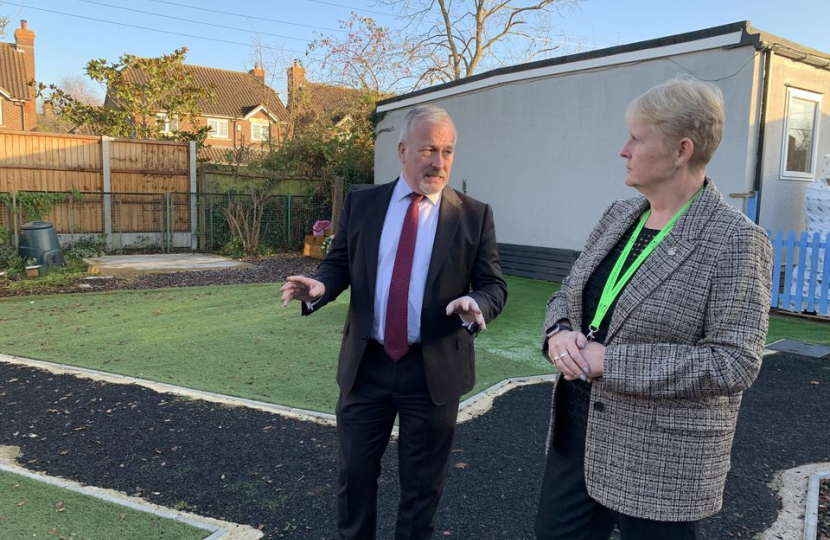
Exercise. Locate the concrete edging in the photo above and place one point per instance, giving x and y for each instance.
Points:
(811, 511)
(218, 529)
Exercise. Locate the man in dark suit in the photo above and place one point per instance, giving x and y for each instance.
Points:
(423, 266)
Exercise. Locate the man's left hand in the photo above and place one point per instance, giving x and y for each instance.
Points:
(468, 310)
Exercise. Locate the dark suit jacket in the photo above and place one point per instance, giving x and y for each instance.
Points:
(465, 260)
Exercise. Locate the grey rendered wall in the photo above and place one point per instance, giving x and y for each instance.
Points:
(782, 202)
(544, 152)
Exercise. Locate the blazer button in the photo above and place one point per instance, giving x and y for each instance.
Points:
(599, 406)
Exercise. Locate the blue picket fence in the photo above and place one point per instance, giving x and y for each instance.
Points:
(803, 285)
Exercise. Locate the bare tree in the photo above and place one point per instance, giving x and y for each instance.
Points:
(81, 89)
(457, 38)
(4, 22)
(370, 57)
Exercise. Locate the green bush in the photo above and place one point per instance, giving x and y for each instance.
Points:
(94, 246)
(10, 260)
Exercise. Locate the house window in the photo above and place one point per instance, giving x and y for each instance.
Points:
(168, 124)
(218, 127)
(801, 123)
(260, 130)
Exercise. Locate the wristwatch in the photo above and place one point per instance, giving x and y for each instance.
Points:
(556, 328)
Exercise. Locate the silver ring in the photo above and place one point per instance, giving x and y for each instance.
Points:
(564, 354)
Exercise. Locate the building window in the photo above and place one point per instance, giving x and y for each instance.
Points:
(218, 127)
(168, 124)
(260, 131)
(801, 121)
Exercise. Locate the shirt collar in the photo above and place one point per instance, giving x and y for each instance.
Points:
(403, 190)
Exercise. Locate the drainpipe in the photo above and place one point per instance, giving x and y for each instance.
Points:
(22, 106)
(762, 130)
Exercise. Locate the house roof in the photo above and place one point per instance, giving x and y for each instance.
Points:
(237, 93)
(728, 35)
(13, 80)
(331, 103)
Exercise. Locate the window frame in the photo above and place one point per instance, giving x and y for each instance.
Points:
(261, 124)
(215, 134)
(171, 124)
(815, 98)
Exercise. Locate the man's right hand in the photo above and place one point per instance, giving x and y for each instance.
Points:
(301, 288)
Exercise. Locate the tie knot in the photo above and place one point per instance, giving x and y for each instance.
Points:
(416, 197)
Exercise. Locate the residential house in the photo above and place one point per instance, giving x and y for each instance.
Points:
(244, 114)
(17, 72)
(540, 141)
(318, 103)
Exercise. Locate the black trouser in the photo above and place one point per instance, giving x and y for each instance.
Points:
(365, 417)
(567, 512)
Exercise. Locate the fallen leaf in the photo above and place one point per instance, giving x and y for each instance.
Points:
(122, 516)
(460, 465)
(59, 506)
(815, 382)
(24, 501)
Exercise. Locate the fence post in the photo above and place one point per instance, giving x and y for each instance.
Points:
(15, 217)
(106, 180)
(193, 216)
(336, 201)
(168, 229)
(288, 221)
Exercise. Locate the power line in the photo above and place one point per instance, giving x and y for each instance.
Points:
(246, 16)
(349, 7)
(156, 29)
(246, 30)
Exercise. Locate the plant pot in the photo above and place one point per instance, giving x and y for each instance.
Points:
(33, 271)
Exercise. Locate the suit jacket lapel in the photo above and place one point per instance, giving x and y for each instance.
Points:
(449, 217)
(374, 215)
(666, 258)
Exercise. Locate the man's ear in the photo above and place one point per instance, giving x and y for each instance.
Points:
(401, 152)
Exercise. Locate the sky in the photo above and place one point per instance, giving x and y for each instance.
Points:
(220, 34)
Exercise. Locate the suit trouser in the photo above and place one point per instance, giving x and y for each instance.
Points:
(567, 511)
(383, 390)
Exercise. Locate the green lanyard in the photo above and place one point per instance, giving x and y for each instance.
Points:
(615, 283)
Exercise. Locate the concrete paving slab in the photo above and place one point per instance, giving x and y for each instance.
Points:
(131, 265)
(800, 348)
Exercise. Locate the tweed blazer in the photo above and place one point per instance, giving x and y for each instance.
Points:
(685, 340)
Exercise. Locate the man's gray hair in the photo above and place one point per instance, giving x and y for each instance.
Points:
(423, 113)
(683, 107)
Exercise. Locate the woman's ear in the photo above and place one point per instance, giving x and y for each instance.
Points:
(685, 149)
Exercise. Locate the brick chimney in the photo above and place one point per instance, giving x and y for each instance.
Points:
(25, 43)
(296, 79)
(258, 72)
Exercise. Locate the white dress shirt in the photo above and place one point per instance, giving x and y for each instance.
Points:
(428, 210)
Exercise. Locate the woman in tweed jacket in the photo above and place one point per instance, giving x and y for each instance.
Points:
(644, 411)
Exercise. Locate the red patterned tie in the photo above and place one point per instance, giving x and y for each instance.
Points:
(395, 342)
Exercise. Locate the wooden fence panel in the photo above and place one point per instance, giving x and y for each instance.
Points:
(49, 162)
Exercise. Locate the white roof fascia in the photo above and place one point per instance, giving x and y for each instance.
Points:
(263, 109)
(714, 42)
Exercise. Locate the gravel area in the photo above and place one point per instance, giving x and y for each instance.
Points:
(279, 474)
(271, 269)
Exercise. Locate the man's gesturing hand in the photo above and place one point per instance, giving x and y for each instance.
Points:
(468, 309)
(301, 288)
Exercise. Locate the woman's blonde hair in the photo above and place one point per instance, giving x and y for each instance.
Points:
(683, 107)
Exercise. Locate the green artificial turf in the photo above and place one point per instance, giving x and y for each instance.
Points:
(32, 509)
(783, 327)
(239, 340)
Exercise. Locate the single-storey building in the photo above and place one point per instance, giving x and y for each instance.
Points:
(540, 141)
